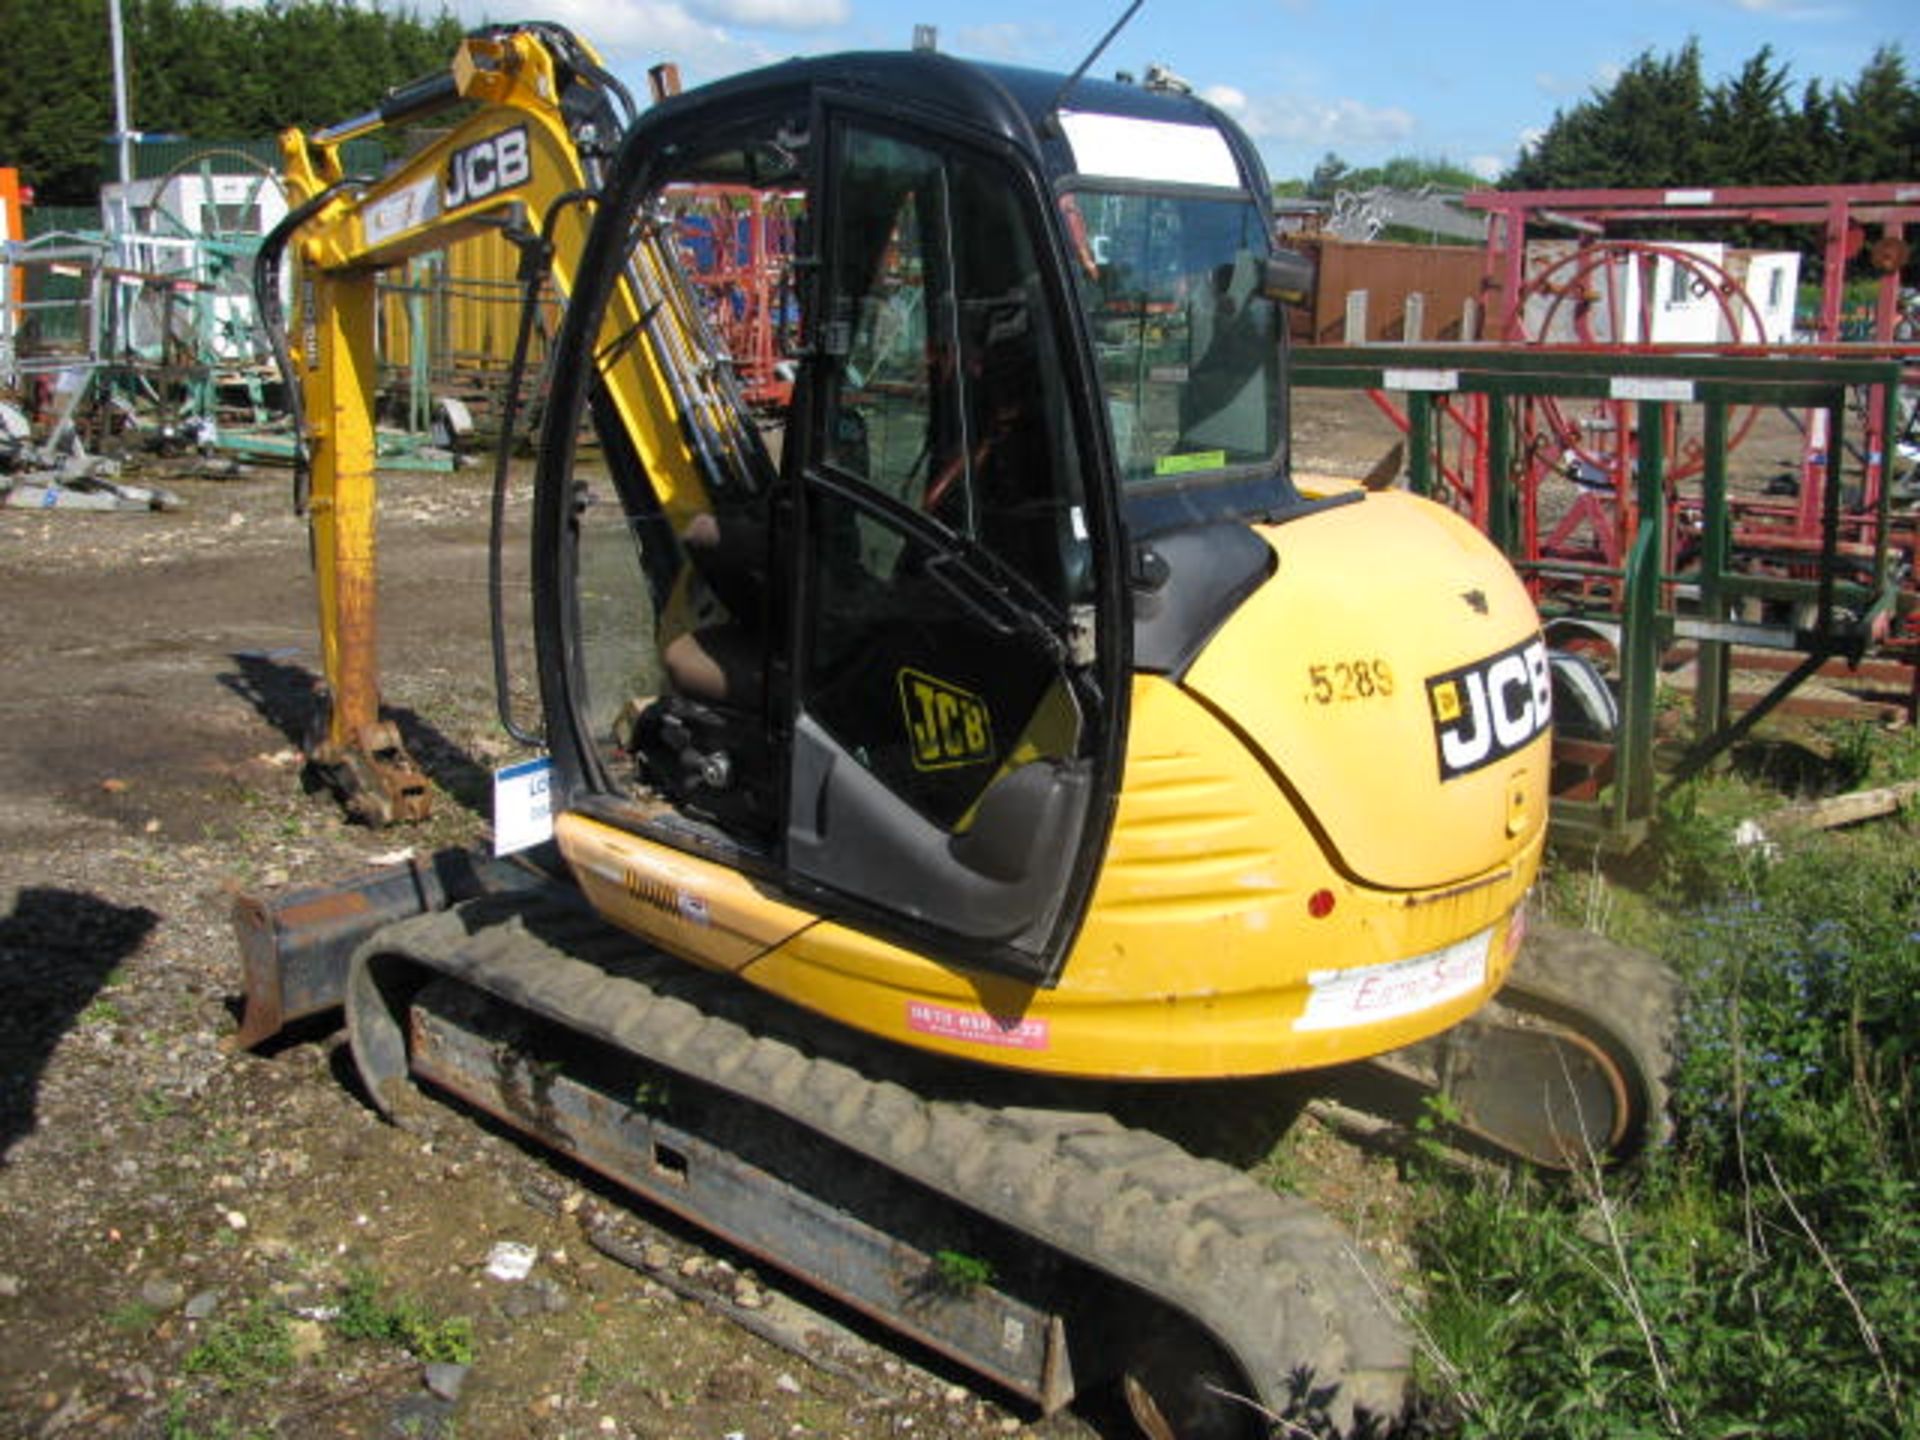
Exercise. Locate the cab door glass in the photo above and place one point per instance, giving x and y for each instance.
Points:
(948, 543)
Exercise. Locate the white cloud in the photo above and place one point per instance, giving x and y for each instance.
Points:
(632, 34)
(1793, 10)
(1008, 41)
(776, 14)
(1487, 167)
(1331, 124)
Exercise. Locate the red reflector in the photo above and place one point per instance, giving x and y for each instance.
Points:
(1320, 904)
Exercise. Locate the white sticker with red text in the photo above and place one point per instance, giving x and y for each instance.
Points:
(1339, 999)
(975, 1026)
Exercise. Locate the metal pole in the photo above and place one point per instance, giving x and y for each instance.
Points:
(122, 133)
(1714, 671)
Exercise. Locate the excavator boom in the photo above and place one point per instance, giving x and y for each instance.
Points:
(540, 118)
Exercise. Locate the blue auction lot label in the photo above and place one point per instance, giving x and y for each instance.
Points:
(522, 805)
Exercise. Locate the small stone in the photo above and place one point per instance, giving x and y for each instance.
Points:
(509, 1260)
(160, 1293)
(10, 1287)
(693, 1266)
(236, 1220)
(748, 1296)
(656, 1256)
(787, 1384)
(66, 1415)
(954, 1394)
(201, 1305)
(444, 1378)
(521, 1304)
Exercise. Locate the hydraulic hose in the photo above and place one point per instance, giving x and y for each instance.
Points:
(266, 300)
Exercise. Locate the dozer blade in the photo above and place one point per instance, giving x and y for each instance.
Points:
(294, 946)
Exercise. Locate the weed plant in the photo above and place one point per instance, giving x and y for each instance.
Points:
(404, 1320)
(1760, 1276)
(245, 1351)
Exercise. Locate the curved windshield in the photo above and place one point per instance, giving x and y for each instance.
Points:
(1188, 346)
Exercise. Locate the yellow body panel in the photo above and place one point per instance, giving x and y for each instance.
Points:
(1200, 949)
(1326, 668)
(703, 912)
(1201, 955)
(1305, 868)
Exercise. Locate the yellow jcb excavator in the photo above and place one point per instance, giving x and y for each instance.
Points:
(992, 734)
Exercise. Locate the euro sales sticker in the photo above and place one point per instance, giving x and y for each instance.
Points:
(1341, 999)
(522, 805)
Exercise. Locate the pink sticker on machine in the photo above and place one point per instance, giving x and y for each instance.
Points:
(975, 1026)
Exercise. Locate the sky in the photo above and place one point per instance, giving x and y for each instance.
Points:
(1467, 83)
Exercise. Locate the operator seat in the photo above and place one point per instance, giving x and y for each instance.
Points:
(724, 663)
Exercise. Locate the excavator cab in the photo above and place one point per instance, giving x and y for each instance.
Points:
(890, 668)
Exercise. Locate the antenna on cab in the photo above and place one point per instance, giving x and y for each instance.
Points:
(1066, 88)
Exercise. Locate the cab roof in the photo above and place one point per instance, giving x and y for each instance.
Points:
(1012, 103)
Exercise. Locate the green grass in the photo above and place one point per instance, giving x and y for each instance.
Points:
(958, 1273)
(245, 1351)
(404, 1320)
(135, 1317)
(1761, 1275)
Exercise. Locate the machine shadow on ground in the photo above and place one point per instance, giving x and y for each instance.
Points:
(58, 951)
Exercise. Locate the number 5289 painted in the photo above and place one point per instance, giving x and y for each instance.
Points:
(1343, 682)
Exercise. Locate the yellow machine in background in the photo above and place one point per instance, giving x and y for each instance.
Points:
(1000, 700)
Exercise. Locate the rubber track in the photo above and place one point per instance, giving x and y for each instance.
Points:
(1625, 999)
(1279, 1287)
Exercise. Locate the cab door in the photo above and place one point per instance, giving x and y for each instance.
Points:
(956, 700)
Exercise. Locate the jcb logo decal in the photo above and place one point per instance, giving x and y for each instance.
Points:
(1490, 709)
(488, 166)
(947, 726)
